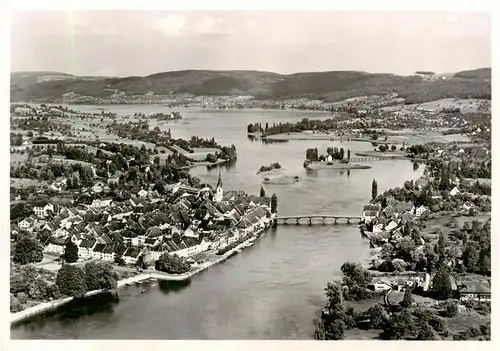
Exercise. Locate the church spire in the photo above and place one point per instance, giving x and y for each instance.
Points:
(219, 193)
(219, 181)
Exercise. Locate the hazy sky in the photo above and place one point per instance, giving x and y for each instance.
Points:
(124, 43)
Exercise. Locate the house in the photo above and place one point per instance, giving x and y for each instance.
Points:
(41, 210)
(474, 290)
(114, 180)
(97, 251)
(98, 187)
(401, 284)
(76, 239)
(454, 191)
(131, 255)
(86, 247)
(142, 194)
(370, 212)
(26, 223)
(104, 203)
(392, 225)
(379, 284)
(420, 211)
(56, 245)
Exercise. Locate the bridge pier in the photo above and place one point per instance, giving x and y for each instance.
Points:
(297, 222)
(310, 221)
(335, 220)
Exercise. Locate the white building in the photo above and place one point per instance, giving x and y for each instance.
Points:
(454, 191)
(42, 211)
(420, 211)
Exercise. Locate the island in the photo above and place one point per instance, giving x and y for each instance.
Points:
(335, 158)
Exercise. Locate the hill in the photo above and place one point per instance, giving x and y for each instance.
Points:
(329, 86)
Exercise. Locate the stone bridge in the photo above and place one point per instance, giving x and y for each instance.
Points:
(317, 219)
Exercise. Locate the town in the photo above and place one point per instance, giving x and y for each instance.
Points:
(430, 241)
(76, 203)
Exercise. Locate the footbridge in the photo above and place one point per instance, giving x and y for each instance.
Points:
(317, 219)
(382, 158)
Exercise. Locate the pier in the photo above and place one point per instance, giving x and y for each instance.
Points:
(317, 219)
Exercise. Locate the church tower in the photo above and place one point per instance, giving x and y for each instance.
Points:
(218, 189)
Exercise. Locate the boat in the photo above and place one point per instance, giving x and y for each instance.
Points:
(143, 291)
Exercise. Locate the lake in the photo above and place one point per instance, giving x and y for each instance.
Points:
(273, 290)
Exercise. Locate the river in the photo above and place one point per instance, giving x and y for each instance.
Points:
(273, 290)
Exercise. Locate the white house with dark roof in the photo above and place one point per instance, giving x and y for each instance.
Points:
(26, 223)
(41, 210)
(454, 191)
(56, 245)
(420, 210)
(85, 249)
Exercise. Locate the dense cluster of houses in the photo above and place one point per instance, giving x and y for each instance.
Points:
(186, 222)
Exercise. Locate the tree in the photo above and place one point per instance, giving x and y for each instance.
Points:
(471, 256)
(441, 247)
(407, 299)
(335, 330)
(425, 332)
(400, 326)
(28, 250)
(15, 304)
(262, 192)
(393, 147)
(100, 276)
(374, 189)
(399, 265)
(451, 309)
(172, 264)
(71, 280)
(333, 294)
(20, 210)
(348, 155)
(119, 260)
(274, 203)
(441, 284)
(354, 273)
(71, 252)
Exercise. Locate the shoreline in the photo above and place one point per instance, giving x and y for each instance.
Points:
(319, 167)
(51, 305)
(205, 164)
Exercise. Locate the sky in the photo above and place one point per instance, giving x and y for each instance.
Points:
(139, 43)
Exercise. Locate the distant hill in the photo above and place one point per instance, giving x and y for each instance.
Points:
(328, 86)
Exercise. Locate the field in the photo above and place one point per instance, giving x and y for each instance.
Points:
(409, 137)
(25, 182)
(15, 159)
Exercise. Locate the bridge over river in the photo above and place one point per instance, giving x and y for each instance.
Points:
(317, 219)
(361, 158)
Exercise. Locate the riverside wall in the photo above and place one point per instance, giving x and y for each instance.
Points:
(48, 306)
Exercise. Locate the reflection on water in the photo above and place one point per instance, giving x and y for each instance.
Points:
(171, 286)
(274, 289)
(76, 308)
(273, 141)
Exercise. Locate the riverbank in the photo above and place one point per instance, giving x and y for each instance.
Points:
(337, 166)
(408, 137)
(205, 163)
(145, 276)
(397, 154)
